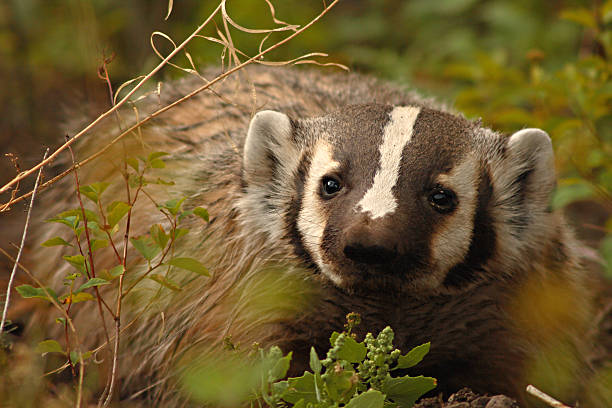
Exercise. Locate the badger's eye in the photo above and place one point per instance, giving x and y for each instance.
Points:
(330, 186)
(442, 200)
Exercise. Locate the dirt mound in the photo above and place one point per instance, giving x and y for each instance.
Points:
(465, 398)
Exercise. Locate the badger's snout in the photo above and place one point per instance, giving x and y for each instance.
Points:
(369, 245)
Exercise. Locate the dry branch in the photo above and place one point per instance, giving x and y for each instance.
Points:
(255, 59)
(21, 246)
(545, 397)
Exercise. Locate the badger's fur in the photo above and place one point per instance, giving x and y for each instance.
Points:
(345, 194)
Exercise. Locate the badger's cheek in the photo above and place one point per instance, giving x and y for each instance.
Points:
(451, 239)
(312, 218)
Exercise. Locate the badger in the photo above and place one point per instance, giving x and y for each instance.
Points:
(338, 193)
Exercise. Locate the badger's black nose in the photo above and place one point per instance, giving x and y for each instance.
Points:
(369, 244)
(372, 255)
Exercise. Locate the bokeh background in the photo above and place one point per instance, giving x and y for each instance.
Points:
(514, 63)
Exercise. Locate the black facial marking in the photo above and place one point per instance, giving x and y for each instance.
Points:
(295, 207)
(483, 243)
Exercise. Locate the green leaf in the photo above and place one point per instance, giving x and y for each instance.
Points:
(92, 282)
(184, 214)
(173, 206)
(157, 164)
(315, 363)
(98, 244)
(179, 232)
(133, 163)
(54, 242)
(71, 221)
(146, 247)
(76, 297)
(159, 235)
(341, 385)
(406, 390)
(280, 368)
(156, 155)
(301, 388)
(74, 356)
(111, 274)
(189, 264)
(202, 213)
(280, 387)
(92, 226)
(77, 261)
(413, 357)
(135, 181)
(333, 338)
(368, 399)
(71, 277)
(351, 350)
(49, 346)
(116, 211)
(78, 212)
(27, 291)
(162, 280)
(94, 191)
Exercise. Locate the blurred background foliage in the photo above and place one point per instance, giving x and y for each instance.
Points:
(515, 63)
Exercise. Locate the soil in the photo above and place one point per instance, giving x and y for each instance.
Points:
(465, 398)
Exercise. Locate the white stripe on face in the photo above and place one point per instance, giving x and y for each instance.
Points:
(311, 222)
(451, 242)
(379, 199)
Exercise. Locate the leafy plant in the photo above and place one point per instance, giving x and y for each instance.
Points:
(353, 374)
(105, 225)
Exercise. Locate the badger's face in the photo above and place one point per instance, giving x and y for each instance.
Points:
(401, 198)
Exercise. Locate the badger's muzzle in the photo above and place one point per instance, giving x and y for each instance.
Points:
(367, 244)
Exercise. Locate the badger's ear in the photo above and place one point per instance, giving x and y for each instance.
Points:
(269, 143)
(530, 161)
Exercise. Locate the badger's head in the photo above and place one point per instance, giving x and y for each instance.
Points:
(402, 198)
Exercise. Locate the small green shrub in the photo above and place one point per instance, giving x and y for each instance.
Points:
(353, 374)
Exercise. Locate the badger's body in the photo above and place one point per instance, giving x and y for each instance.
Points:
(375, 201)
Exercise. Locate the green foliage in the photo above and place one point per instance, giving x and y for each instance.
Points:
(353, 374)
(189, 264)
(49, 346)
(107, 226)
(28, 291)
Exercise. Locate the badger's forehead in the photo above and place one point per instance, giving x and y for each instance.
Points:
(419, 140)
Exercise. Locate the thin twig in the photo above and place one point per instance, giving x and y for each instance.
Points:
(23, 238)
(114, 108)
(44, 289)
(190, 95)
(90, 250)
(111, 384)
(68, 322)
(545, 397)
